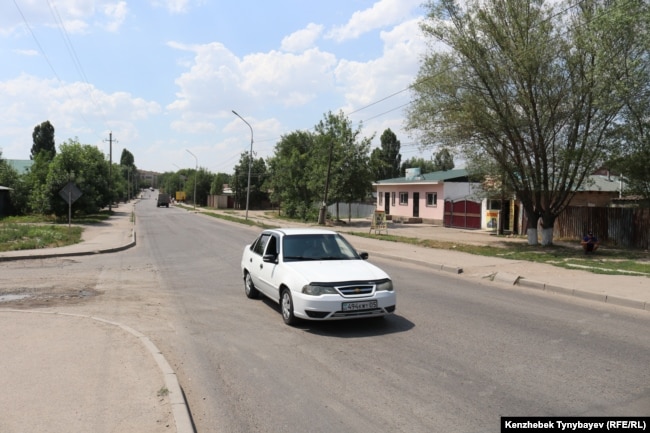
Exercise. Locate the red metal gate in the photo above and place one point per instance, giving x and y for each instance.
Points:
(464, 214)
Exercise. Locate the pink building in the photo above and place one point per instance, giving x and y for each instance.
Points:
(421, 197)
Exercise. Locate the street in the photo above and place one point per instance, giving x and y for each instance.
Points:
(458, 354)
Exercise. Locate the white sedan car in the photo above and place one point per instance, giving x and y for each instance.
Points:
(315, 274)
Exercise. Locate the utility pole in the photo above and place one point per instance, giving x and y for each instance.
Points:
(110, 170)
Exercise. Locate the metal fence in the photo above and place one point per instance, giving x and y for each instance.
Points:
(355, 210)
(614, 226)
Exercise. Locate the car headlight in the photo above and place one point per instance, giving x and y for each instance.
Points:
(316, 290)
(386, 285)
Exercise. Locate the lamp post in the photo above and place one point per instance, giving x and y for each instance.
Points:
(196, 172)
(250, 163)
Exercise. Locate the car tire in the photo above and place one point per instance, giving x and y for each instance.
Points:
(286, 306)
(249, 288)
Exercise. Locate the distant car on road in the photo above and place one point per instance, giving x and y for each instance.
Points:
(315, 274)
(163, 200)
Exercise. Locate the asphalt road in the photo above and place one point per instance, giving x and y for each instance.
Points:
(455, 357)
(459, 353)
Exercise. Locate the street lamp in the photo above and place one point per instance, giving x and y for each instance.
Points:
(196, 172)
(250, 163)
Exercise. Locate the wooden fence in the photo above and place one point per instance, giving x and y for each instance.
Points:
(614, 226)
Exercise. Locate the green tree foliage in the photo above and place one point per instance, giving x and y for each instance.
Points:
(127, 159)
(631, 137)
(347, 174)
(19, 193)
(218, 182)
(385, 160)
(425, 166)
(43, 140)
(39, 201)
(532, 85)
(86, 167)
(305, 164)
(128, 182)
(258, 176)
(443, 160)
(289, 170)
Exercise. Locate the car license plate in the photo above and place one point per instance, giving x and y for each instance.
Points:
(354, 306)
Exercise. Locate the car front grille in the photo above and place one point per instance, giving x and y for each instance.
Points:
(356, 290)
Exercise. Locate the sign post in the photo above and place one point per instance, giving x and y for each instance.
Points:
(70, 193)
(378, 222)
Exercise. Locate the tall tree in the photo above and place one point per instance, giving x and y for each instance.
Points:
(289, 169)
(258, 174)
(631, 155)
(84, 165)
(385, 160)
(530, 84)
(443, 160)
(43, 140)
(127, 158)
(346, 174)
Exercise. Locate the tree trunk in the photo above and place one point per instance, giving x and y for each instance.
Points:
(548, 221)
(547, 236)
(531, 229)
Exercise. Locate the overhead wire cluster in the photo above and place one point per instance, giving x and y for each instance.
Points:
(73, 55)
(88, 87)
(422, 80)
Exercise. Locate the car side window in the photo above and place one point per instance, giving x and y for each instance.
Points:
(260, 245)
(272, 247)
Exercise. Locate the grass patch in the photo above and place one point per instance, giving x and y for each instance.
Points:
(15, 237)
(33, 232)
(605, 261)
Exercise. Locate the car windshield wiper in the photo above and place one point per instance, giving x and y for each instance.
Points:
(299, 258)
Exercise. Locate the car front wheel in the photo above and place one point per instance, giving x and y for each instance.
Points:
(286, 304)
(249, 287)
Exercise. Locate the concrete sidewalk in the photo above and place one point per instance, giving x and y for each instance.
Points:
(101, 376)
(46, 394)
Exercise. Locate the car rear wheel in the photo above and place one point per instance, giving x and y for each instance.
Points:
(286, 303)
(249, 287)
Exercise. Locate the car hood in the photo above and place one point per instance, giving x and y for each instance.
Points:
(331, 271)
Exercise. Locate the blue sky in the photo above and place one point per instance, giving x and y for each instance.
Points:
(164, 75)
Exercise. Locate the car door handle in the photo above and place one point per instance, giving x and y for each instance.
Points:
(261, 265)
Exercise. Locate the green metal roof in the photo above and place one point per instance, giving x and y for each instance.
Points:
(435, 177)
(22, 166)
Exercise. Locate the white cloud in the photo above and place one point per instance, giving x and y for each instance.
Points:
(302, 39)
(75, 109)
(173, 6)
(394, 71)
(29, 53)
(381, 14)
(218, 79)
(116, 14)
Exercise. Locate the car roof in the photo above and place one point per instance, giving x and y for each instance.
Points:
(301, 231)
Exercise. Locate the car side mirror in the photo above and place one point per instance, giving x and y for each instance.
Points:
(364, 255)
(270, 258)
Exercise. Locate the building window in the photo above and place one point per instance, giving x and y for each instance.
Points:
(380, 198)
(392, 198)
(432, 199)
(403, 198)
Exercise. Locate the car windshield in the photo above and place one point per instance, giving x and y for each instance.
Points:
(317, 247)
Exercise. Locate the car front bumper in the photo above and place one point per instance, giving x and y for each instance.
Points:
(330, 307)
